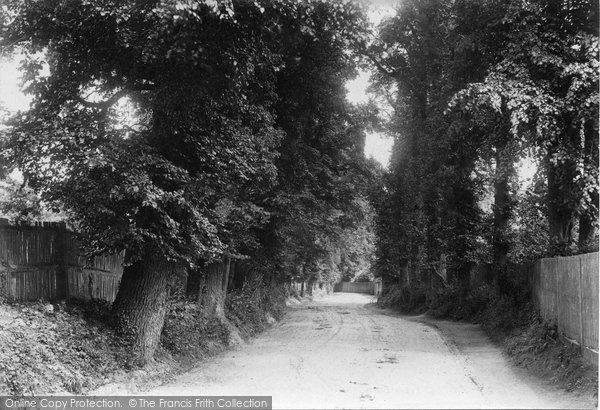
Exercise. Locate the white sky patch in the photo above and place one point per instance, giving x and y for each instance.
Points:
(11, 96)
(379, 147)
(16, 175)
(526, 169)
(380, 9)
(357, 88)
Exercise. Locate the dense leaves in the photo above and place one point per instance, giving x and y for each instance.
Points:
(202, 131)
(200, 140)
(194, 132)
(482, 87)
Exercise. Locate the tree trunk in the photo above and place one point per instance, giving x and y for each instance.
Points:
(404, 272)
(434, 248)
(503, 207)
(240, 275)
(464, 280)
(588, 220)
(588, 230)
(561, 217)
(213, 296)
(138, 312)
(503, 204)
(310, 286)
(194, 282)
(562, 188)
(226, 276)
(302, 289)
(232, 270)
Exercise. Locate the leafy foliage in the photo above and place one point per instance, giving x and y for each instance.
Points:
(546, 81)
(188, 126)
(480, 88)
(202, 131)
(321, 171)
(18, 202)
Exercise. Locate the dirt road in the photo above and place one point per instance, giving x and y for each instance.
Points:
(343, 352)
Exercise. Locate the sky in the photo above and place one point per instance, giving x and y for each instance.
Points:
(11, 96)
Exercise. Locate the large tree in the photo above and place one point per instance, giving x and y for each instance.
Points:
(195, 81)
(429, 222)
(478, 85)
(545, 81)
(321, 166)
(189, 132)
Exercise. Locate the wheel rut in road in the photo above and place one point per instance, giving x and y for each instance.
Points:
(344, 352)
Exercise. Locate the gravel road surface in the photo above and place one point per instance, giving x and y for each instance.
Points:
(344, 352)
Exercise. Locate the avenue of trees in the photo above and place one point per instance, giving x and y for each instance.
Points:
(477, 87)
(194, 133)
(217, 136)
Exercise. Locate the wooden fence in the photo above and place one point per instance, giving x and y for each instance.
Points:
(43, 261)
(565, 292)
(355, 287)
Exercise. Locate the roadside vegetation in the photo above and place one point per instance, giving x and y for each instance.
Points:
(480, 92)
(54, 348)
(216, 139)
(493, 86)
(212, 138)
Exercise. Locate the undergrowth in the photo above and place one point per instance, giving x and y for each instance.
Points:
(56, 348)
(404, 298)
(189, 332)
(46, 348)
(254, 306)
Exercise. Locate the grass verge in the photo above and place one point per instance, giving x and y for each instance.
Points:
(511, 321)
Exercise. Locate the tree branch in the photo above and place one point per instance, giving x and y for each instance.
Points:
(439, 275)
(380, 67)
(103, 105)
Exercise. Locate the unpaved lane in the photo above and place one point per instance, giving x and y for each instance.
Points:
(343, 352)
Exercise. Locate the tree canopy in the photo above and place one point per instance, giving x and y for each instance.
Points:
(193, 132)
(199, 133)
(482, 87)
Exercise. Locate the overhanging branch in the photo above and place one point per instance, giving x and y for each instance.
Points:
(103, 105)
(380, 66)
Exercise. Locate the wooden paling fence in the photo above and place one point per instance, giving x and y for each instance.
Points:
(565, 292)
(355, 287)
(43, 261)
